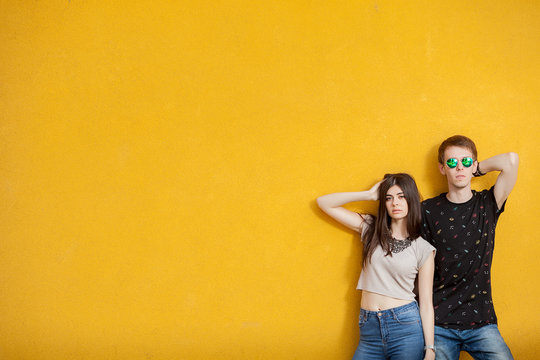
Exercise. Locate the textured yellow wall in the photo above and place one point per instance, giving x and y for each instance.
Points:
(160, 160)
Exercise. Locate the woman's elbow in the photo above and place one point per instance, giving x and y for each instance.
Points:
(323, 203)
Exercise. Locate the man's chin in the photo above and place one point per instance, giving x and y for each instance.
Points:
(461, 184)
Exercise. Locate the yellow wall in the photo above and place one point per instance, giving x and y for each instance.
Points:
(160, 160)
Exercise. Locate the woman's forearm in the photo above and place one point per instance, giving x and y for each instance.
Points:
(337, 199)
(428, 323)
(342, 198)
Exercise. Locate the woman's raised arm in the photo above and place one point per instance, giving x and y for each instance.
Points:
(332, 205)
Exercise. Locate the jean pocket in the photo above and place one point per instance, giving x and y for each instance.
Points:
(362, 321)
(408, 317)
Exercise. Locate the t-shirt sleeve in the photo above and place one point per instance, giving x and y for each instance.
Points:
(493, 201)
(424, 251)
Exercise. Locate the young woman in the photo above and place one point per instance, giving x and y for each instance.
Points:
(392, 326)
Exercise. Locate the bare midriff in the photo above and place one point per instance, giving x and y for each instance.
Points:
(376, 302)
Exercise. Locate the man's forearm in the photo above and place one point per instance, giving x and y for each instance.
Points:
(501, 162)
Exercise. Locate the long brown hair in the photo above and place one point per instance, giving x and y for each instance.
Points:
(378, 233)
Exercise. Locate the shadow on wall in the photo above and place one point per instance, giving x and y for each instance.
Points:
(435, 181)
(434, 185)
(431, 183)
(349, 335)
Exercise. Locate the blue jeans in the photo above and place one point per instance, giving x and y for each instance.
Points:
(391, 334)
(485, 343)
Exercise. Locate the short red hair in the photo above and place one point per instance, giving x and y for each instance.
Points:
(460, 141)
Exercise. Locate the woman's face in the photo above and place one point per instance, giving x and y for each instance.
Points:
(396, 203)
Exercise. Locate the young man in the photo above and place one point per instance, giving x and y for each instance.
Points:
(461, 225)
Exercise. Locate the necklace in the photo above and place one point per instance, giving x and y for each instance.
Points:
(398, 245)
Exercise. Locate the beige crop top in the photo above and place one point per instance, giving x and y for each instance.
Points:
(394, 275)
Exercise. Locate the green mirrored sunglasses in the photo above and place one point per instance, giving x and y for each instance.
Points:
(453, 162)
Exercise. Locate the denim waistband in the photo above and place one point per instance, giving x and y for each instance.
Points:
(389, 313)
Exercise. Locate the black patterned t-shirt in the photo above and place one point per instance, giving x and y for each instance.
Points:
(464, 236)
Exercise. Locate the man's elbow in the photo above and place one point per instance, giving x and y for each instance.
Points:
(513, 160)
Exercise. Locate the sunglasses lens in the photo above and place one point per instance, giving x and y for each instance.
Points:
(452, 163)
(467, 162)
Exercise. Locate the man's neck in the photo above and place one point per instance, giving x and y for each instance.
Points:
(459, 195)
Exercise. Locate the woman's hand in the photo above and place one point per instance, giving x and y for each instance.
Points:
(374, 191)
(430, 355)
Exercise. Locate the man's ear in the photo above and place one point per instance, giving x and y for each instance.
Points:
(475, 166)
(441, 169)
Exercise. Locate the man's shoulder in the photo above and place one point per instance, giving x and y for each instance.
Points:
(433, 201)
(487, 199)
(485, 192)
